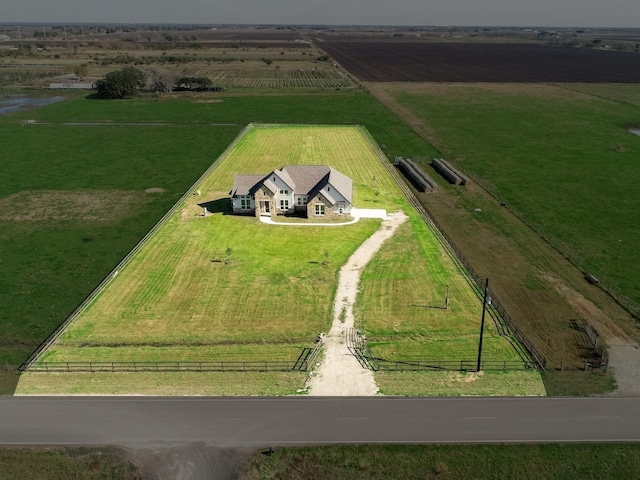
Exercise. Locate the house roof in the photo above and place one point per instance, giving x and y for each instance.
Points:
(305, 177)
(342, 183)
(302, 179)
(284, 175)
(242, 184)
(267, 183)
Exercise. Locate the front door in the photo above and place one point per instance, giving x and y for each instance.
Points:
(264, 207)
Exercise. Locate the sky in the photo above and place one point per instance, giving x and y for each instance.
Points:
(550, 13)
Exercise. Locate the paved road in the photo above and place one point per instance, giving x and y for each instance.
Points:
(257, 422)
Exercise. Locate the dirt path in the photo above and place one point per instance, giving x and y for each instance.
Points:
(340, 373)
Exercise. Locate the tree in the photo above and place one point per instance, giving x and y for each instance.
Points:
(160, 81)
(81, 70)
(121, 83)
(198, 84)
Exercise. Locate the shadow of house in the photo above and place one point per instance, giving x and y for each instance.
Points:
(222, 205)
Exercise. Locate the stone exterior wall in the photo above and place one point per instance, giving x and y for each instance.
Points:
(263, 194)
(319, 199)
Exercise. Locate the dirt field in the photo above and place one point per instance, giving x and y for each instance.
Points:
(477, 62)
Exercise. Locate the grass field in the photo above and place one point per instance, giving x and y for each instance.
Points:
(174, 300)
(50, 264)
(425, 462)
(163, 383)
(66, 464)
(401, 304)
(274, 292)
(562, 159)
(73, 203)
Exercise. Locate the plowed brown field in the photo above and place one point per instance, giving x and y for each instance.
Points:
(482, 62)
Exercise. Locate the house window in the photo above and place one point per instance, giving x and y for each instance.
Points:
(302, 201)
(284, 192)
(284, 204)
(245, 203)
(319, 208)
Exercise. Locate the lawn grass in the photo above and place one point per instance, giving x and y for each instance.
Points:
(63, 224)
(561, 159)
(578, 383)
(163, 383)
(49, 265)
(401, 305)
(273, 293)
(66, 464)
(455, 384)
(451, 462)
(276, 287)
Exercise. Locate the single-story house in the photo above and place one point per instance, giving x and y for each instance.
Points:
(309, 190)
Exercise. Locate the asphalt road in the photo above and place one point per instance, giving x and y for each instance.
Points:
(261, 422)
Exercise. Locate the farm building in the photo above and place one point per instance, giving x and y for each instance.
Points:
(73, 86)
(307, 190)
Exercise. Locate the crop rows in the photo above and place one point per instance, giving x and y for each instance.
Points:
(469, 62)
(280, 78)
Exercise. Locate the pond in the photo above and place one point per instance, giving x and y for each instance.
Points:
(635, 131)
(15, 103)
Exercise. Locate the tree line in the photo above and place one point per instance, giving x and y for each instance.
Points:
(130, 81)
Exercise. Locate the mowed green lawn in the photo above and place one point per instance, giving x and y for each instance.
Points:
(51, 262)
(74, 202)
(73, 195)
(401, 304)
(229, 287)
(562, 159)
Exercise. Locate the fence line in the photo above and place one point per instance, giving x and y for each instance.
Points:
(222, 366)
(455, 365)
(496, 308)
(37, 353)
(304, 362)
(357, 345)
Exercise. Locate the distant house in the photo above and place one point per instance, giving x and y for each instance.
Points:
(307, 190)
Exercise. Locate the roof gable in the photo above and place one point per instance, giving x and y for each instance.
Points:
(301, 179)
(342, 184)
(243, 184)
(283, 174)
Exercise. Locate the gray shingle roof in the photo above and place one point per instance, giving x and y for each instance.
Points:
(283, 173)
(342, 183)
(305, 177)
(242, 184)
(303, 180)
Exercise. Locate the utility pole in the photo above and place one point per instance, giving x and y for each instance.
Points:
(484, 309)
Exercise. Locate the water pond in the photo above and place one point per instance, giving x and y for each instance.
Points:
(15, 103)
(635, 131)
